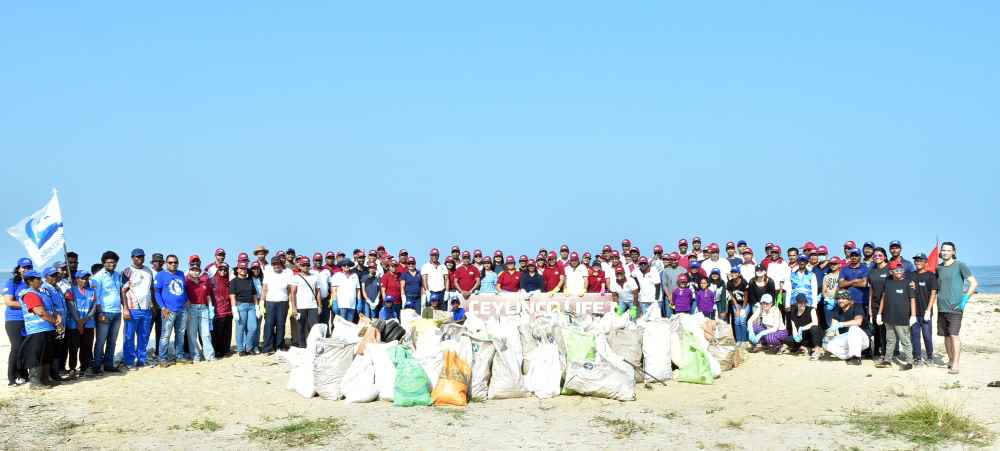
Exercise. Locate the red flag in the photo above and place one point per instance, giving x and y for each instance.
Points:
(932, 260)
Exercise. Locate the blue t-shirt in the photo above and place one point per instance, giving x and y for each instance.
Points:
(860, 295)
(9, 289)
(170, 291)
(413, 282)
(108, 286)
(488, 283)
(531, 283)
(84, 300)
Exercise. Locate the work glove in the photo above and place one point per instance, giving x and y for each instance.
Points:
(913, 320)
(797, 337)
(927, 315)
(754, 338)
(878, 319)
(965, 300)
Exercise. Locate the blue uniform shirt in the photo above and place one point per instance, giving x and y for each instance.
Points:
(860, 295)
(108, 286)
(10, 289)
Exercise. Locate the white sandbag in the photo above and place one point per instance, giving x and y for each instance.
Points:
(406, 319)
(627, 342)
(428, 349)
(359, 382)
(345, 330)
(332, 359)
(608, 376)
(291, 357)
(482, 362)
(545, 373)
(656, 349)
(506, 380)
(300, 376)
(474, 325)
(385, 371)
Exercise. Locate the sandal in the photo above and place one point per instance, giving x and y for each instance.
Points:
(952, 371)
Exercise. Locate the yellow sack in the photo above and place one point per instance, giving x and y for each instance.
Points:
(452, 387)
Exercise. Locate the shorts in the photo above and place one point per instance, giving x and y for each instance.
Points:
(949, 323)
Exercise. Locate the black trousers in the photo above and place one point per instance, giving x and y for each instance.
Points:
(222, 332)
(811, 338)
(59, 352)
(274, 326)
(13, 329)
(157, 327)
(308, 317)
(80, 348)
(36, 350)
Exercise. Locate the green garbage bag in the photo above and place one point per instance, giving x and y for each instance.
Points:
(412, 386)
(696, 369)
(580, 346)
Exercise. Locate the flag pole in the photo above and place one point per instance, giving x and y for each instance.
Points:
(72, 277)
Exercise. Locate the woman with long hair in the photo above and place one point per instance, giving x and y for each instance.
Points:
(14, 319)
(488, 278)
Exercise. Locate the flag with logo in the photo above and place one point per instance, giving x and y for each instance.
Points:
(42, 232)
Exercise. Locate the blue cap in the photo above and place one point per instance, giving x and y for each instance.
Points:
(81, 274)
(920, 256)
(138, 252)
(854, 251)
(741, 243)
(49, 271)
(869, 244)
(735, 269)
(32, 274)
(895, 243)
(25, 262)
(59, 264)
(694, 264)
(716, 271)
(803, 258)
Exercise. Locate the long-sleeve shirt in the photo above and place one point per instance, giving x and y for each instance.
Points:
(220, 288)
(683, 300)
(705, 300)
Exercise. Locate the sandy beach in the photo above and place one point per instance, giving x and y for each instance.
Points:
(771, 402)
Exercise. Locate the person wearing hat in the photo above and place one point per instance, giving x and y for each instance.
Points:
(222, 321)
(260, 253)
(153, 345)
(683, 258)
(854, 279)
(108, 284)
(345, 287)
(759, 286)
(57, 366)
(736, 294)
(451, 290)
(14, 319)
(780, 272)
(897, 314)
(953, 275)
(717, 285)
(696, 252)
(290, 257)
(411, 284)
(624, 290)
(878, 275)
(714, 261)
(370, 300)
(626, 247)
(682, 299)
(925, 285)
(172, 297)
(806, 334)
(564, 255)
(766, 326)
(41, 324)
(391, 290)
(467, 277)
(323, 274)
(509, 281)
(695, 272)
(303, 301)
(243, 299)
(867, 253)
(435, 281)
(732, 256)
(596, 280)
(803, 281)
(498, 261)
(844, 338)
(531, 281)
(553, 276)
(575, 276)
(201, 306)
(137, 291)
(274, 291)
(704, 297)
(831, 283)
(896, 255)
(81, 303)
(748, 267)
(220, 259)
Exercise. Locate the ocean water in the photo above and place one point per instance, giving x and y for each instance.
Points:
(988, 278)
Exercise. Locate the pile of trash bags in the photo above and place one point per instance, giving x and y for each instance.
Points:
(418, 361)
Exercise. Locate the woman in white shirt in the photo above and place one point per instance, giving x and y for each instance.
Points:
(766, 326)
(303, 300)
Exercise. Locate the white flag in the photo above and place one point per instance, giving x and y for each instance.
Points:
(42, 232)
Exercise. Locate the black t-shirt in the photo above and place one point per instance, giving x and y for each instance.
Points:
(737, 290)
(897, 302)
(243, 289)
(756, 291)
(876, 280)
(924, 282)
(803, 319)
(840, 315)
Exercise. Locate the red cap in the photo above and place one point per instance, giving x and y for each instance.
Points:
(317, 256)
(776, 248)
(634, 250)
(380, 248)
(522, 258)
(730, 245)
(435, 251)
(563, 248)
(586, 255)
(194, 258)
(607, 248)
(466, 254)
(643, 261)
(809, 245)
(372, 252)
(330, 254)
(851, 244)
(370, 265)
(574, 256)
(822, 250)
(509, 259)
(220, 251)
(894, 264)
(682, 278)
(657, 248)
(498, 253)
(478, 253)
(619, 270)
(531, 263)
(626, 242)
(682, 242)
(836, 260)
(449, 259)
(552, 255)
(411, 260)
(714, 247)
(615, 253)
(675, 256)
(748, 251)
(696, 238)
(241, 265)
(455, 248)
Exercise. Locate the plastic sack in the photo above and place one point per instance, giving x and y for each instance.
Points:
(695, 367)
(728, 356)
(606, 376)
(482, 361)
(385, 371)
(656, 349)
(411, 387)
(545, 373)
(580, 346)
(300, 377)
(506, 380)
(359, 382)
(345, 330)
(453, 386)
(332, 360)
(627, 342)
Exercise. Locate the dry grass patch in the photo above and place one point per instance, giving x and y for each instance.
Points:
(925, 423)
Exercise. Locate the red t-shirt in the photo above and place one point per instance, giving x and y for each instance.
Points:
(390, 281)
(32, 300)
(595, 281)
(466, 277)
(509, 281)
(551, 277)
(400, 268)
(198, 292)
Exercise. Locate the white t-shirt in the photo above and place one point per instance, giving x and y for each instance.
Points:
(722, 265)
(347, 285)
(304, 285)
(624, 290)
(323, 281)
(576, 280)
(437, 276)
(277, 286)
(647, 285)
(140, 282)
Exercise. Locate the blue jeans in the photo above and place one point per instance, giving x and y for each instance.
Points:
(246, 327)
(364, 309)
(348, 314)
(665, 310)
(176, 322)
(740, 325)
(413, 302)
(107, 336)
(922, 329)
(390, 309)
(137, 336)
(198, 327)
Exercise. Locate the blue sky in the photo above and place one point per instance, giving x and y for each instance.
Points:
(325, 126)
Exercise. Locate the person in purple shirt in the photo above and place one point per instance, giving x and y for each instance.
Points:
(683, 300)
(705, 299)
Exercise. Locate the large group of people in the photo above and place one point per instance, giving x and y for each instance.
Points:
(63, 322)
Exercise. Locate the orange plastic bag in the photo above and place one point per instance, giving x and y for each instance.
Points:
(452, 387)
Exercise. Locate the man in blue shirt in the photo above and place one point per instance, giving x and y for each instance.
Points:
(107, 285)
(172, 298)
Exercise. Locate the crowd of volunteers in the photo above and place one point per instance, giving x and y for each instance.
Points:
(63, 322)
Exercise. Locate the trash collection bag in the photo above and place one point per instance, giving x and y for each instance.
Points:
(695, 367)
(580, 346)
(627, 342)
(453, 386)
(385, 371)
(506, 380)
(358, 384)
(411, 387)
(345, 330)
(728, 356)
(544, 374)
(482, 361)
(332, 361)
(606, 376)
(300, 376)
(656, 348)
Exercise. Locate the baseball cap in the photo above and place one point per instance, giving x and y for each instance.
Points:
(531, 263)
(404, 252)
(317, 256)
(31, 274)
(643, 261)
(682, 242)
(221, 251)
(586, 255)
(435, 251)
(551, 255)
(714, 247)
(563, 248)
(157, 257)
(748, 251)
(626, 242)
(867, 244)
(675, 256)
(242, 257)
(682, 278)
(776, 248)
(735, 269)
(894, 265)
(522, 258)
(766, 299)
(509, 259)
(741, 243)
(802, 258)
(615, 253)
(330, 254)
(498, 253)
(920, 256)
(82, 274)
(302, 260)
(696, 239)
(657, 249)
(49, 271)
(842, 294)
(694, 264)
(411, 261)
(895, 243)
(345, 262)
(634, 250)
(853, 251)
(619, 270)
(277, 260)
(760, 267)
(606, 248)
(194, 258)
(449, 259)
(717, 271)
(466, 254)
(850, 244)
(730, 245)
(138, 252)
(809, 245)
(822, 250)
(836, 261)
(455, 248)
(478, 253)
(574, 256)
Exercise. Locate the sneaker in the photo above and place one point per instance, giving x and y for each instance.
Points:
(815, 356)
(91, 372)
(882, 364)
(130, 368)
(906, 367)
(20, 381)
(856, 361)
(113, 369)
